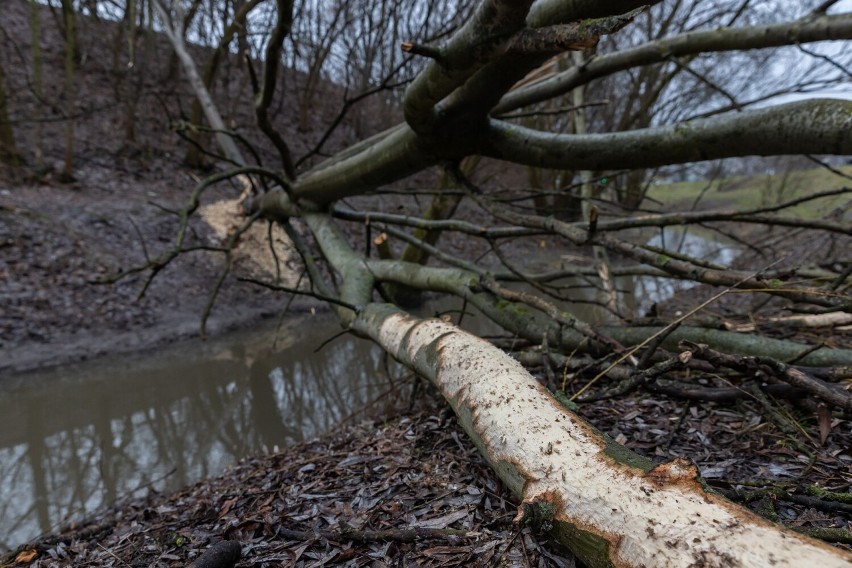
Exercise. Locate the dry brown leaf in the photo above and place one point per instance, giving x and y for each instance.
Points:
(26, 556)
(226, 506)
(824, 422)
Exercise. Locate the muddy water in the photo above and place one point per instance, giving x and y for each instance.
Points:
(75, 439)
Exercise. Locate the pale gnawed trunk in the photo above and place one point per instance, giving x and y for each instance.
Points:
(606, 503)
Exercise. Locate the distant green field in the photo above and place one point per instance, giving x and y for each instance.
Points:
(760, 191)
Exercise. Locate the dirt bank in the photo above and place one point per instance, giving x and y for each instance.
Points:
(58, 241)
(130, 177)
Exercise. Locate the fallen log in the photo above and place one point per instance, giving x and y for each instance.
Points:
(609, 505)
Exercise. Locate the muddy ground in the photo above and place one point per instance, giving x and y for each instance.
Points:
(60, 242)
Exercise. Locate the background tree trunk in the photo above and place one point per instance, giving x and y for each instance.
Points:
(71, 57)
(9, 153)
(35, 34)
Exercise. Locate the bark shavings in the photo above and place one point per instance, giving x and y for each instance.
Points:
(408, 492)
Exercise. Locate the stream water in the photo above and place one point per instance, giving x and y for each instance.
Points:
(76, 438)
(650, 290)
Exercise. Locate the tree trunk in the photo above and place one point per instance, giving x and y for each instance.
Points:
(67, 174)
(9, 152)
(194, 157)
(229, 147)
(35, 31)
(607, 294)
(611, 506)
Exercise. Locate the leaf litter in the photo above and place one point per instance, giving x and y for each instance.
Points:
(408, 491)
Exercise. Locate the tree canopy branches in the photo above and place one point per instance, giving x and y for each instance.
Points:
(502, 59)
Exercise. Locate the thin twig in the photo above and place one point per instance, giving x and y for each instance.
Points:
(297, 291)
(676, 322)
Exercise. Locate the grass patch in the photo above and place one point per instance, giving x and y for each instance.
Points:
(749, 192)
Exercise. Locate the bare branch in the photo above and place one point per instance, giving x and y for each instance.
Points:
(819, 126)
(270, 76)
(564, 37)
(425, 50)
(690, 43)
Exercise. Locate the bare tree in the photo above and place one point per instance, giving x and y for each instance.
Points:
(234, 27)
(611, 506)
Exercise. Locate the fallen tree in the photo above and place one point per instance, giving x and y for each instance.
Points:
(609, 505)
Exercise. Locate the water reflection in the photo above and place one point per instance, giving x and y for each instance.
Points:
(649, 290)
(72, 440)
